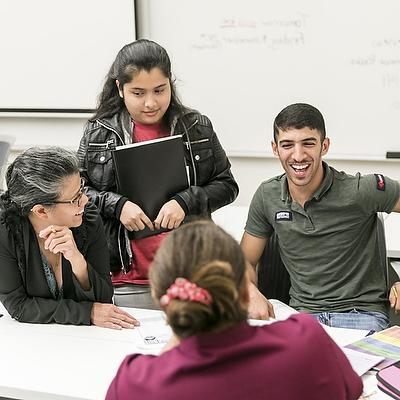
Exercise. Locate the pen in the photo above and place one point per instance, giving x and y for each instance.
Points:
(394, 291)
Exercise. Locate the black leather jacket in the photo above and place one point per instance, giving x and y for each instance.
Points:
(212, 184)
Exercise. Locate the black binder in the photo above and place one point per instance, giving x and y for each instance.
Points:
(150, 173)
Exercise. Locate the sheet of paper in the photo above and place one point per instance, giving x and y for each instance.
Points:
(361, 362)
(344, 336)
(282, 310)
(154, 332)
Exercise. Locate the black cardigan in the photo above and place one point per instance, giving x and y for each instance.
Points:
(24, 291)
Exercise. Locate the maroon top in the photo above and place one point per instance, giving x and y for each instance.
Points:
(293, 359)
(143, 250)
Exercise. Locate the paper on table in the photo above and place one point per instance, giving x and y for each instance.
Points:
(154, 332)
(341, 336)
(344, 336)
(384, 343)
(361, 362)
(282, 311)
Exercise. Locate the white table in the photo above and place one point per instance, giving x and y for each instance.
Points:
(41, 361)
(65, 362)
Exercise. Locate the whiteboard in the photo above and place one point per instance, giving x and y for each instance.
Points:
(56, 53)
(241, 62)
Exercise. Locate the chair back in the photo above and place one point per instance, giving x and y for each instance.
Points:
(273, 278)
(383, 260)
(5, 145)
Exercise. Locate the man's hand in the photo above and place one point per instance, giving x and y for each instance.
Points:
(394, 297)
(259, 307)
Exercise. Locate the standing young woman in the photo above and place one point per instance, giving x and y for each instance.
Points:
(53, 253)
(139, 103)
(199, 279)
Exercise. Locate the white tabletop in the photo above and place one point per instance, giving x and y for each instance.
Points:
(65, 362)
(50, 361)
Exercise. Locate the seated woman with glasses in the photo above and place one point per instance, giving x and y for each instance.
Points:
(199, 279)
(54, 262)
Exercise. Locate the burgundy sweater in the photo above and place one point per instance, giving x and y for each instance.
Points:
(293, 359)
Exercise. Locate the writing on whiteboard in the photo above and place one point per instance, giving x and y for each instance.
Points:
(273, 33)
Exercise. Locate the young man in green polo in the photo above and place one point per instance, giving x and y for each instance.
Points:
(326, 222)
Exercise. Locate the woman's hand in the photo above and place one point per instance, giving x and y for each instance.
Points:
(59, 239)
(110, 316)
(134, 218)
(170, 216)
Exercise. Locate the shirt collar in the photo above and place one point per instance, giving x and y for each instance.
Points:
(322, 189)
(326, 182)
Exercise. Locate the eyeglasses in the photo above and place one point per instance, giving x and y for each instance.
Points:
(75, 201)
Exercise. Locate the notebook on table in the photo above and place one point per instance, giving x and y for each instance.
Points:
(389, 380)
(384, 343)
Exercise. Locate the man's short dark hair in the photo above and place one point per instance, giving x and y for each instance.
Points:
(298, 116)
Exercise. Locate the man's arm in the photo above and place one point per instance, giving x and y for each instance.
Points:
(259, 306)
(252, 247)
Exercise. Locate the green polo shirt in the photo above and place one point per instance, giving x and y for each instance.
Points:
(330, 246)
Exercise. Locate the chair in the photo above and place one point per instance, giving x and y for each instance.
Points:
(273, 278)
(391, 275)
(5, 145)
(382, 246)
(138, 296)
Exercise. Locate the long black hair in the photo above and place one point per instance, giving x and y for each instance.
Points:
(134, 57)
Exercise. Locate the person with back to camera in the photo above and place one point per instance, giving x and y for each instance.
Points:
(199, 278)
(327, 225)
(53, 253)
(139, 103)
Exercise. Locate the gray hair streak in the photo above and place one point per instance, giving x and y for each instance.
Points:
(36, 176)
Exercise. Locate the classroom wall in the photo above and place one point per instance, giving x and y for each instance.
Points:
(249, 171)
(50, 129)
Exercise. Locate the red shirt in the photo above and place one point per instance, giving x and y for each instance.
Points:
(143, 249)
(292, 359)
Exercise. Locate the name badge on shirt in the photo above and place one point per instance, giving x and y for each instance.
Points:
(380, 182)
(283, 216)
